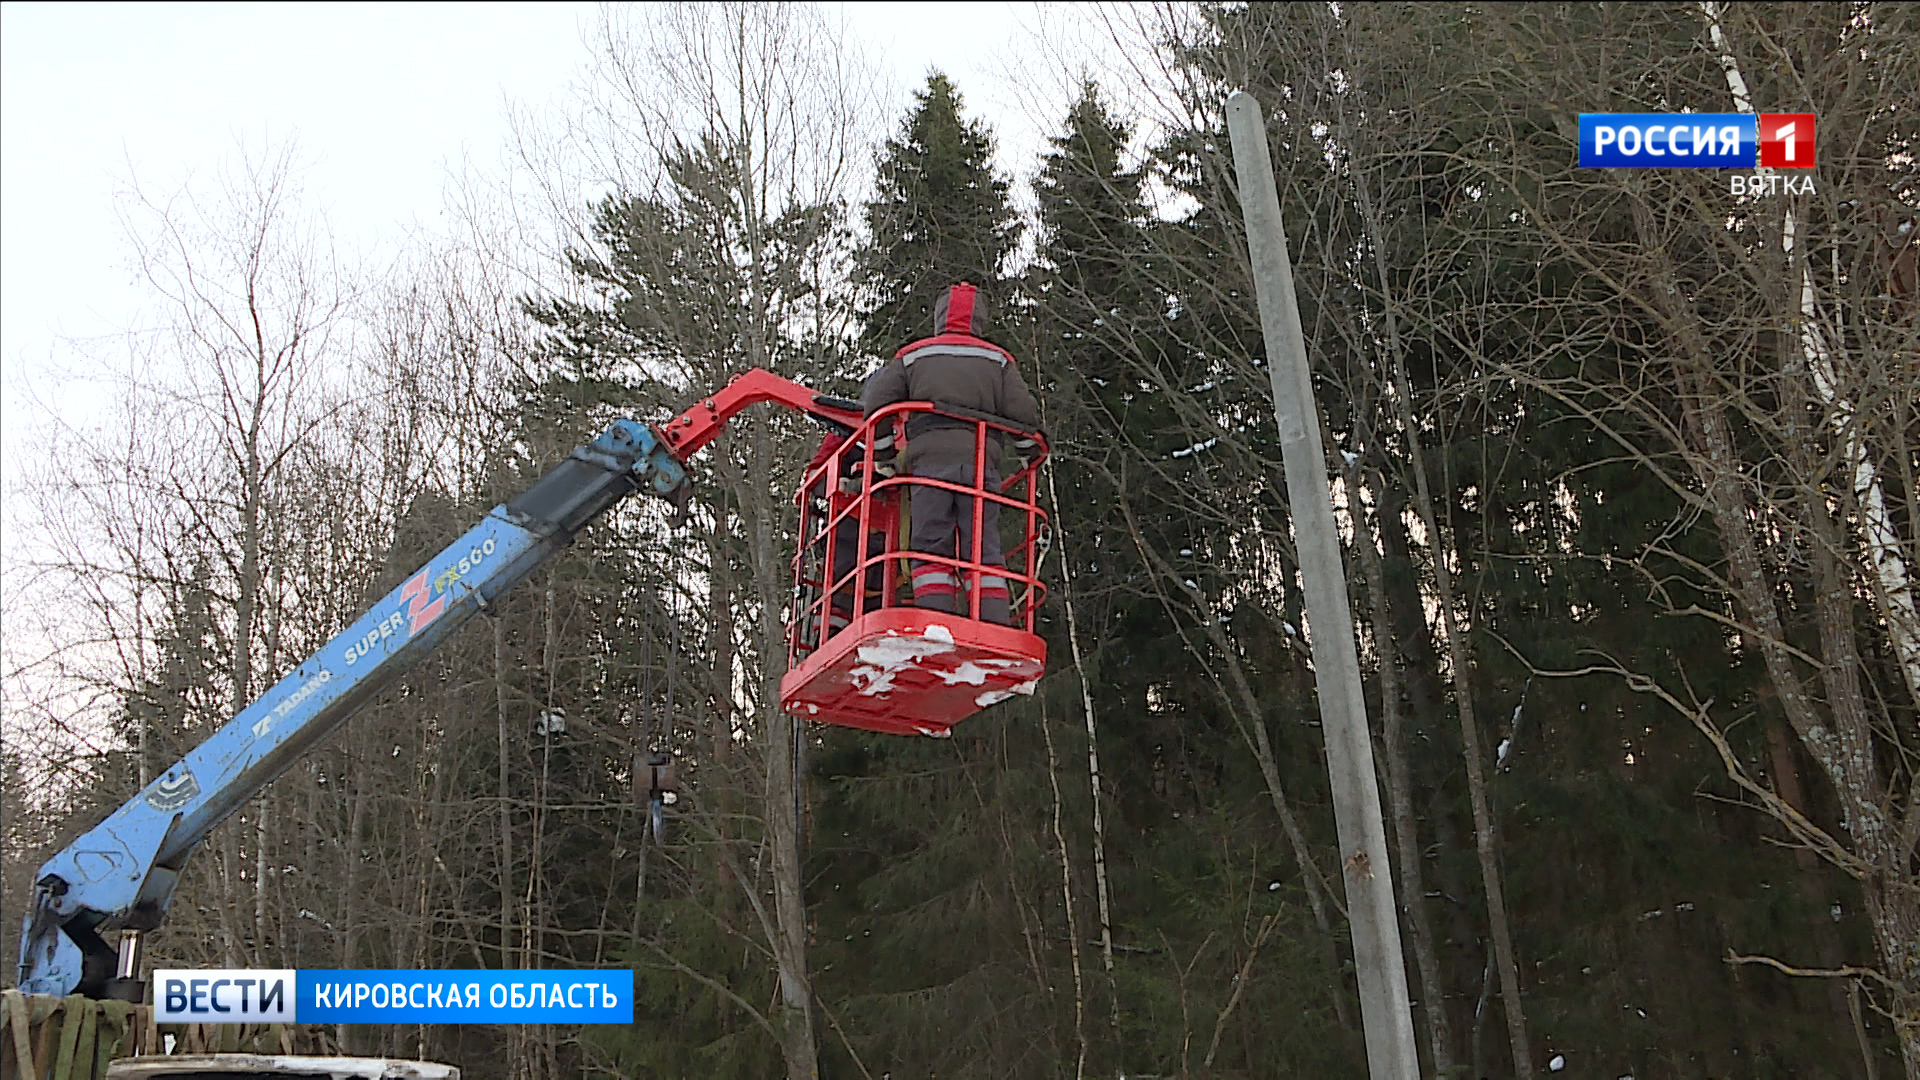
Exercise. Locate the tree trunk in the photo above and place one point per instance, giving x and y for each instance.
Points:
(1413, 900)
(783, 822)
(261, 935)
(1412, 639)
(349, 911)
(1826, 935)
(504, 792)
(783, 737)
(1893, 904)
(1093, 785)
(1067, 901)
(1485, 842)
(720, 610)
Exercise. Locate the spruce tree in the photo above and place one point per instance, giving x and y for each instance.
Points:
(928, 856)
(1092, 216)
(939, 215)
(1135, 399)
(1089, 304)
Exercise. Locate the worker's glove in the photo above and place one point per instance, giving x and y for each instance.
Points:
(1026, 450)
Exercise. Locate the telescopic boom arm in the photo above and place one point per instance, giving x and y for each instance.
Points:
(121, 875)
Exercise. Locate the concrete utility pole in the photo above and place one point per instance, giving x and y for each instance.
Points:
(1384, 1009)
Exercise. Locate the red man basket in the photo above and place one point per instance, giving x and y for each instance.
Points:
(860, 653)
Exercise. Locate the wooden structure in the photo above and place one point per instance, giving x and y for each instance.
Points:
(74, 1038)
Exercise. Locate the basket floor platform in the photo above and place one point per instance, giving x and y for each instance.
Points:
(912, 671)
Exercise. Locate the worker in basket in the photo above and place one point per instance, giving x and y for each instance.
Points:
(955, 367)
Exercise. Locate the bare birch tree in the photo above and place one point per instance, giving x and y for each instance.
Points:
(180, 534)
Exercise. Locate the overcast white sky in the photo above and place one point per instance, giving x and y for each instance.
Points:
(383, 99)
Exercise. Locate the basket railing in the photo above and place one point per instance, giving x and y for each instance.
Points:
(855, 488)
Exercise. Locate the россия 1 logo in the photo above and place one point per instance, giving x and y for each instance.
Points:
(1786, 140)
(1701, 141)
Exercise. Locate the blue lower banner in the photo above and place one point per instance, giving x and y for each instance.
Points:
(450, 996)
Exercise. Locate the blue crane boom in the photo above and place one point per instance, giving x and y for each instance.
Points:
(121, 874)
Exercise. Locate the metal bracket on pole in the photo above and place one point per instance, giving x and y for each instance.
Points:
(1385, 1011)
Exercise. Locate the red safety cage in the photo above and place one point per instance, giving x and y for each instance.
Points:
(860, 652)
